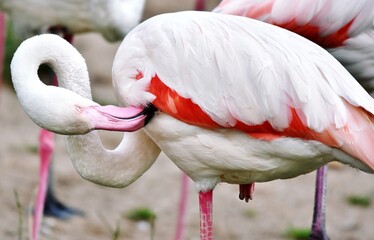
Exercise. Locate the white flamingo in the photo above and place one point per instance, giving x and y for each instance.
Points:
(235, 104)
(344, 28)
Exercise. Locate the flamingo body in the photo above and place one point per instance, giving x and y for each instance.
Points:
(227, 97)
(235, 104)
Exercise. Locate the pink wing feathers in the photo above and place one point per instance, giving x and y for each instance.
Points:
(345, 28)
(357, 56)
(326, 22)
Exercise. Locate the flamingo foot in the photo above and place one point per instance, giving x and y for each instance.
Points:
(206, 215)
(246, 191)
(54, 208)
(318, 234)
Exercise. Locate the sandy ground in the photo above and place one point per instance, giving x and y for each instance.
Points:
(277, 205)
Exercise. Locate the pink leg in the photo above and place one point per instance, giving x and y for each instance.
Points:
(179, 235)
(46, 145)
(206, 215)
(46, 140)
(246, 191)
(319, 213)
(199, 5)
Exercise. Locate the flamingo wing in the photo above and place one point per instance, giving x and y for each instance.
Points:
(357, 56)
(343, 27)
(326, 22)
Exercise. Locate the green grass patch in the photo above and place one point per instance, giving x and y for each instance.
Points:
(141, 214)
(357, 200)
(32, 149)
(11, 44)
(250, 213)
(19, 213)
(298, 233)
(117, 232)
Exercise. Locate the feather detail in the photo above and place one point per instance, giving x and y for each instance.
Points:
(326, 22)
(357, 136)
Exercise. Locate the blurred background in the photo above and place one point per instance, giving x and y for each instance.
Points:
(280, 209)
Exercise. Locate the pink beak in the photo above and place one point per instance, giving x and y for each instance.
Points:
(124, 119)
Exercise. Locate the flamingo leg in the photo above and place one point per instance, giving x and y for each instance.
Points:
(206, 215)
(45, 150)
(246, 191)
(200, 5)
(179, 235)
(319, 214)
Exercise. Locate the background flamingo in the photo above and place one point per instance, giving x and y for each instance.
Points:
(343, 28)
(212, 140)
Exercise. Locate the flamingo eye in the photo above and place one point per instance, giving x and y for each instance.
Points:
(78, 108)
(138, 76)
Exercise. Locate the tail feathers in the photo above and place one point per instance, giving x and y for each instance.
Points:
(357, 137)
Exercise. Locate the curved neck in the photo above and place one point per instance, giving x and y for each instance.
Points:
(116, 168)
(51, 107)
(50, 49)
(113, 168)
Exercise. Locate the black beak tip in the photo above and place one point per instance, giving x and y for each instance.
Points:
(149, 111)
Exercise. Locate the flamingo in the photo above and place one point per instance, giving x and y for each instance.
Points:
(344, 28)
(248, 108)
